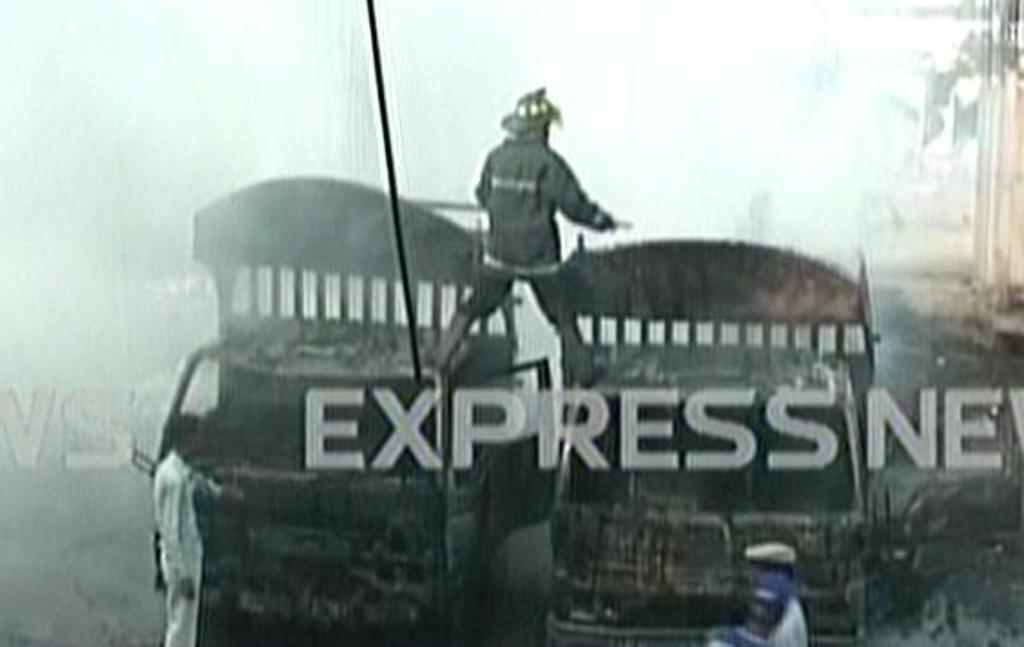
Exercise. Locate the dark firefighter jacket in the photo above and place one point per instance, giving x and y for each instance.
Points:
(522, 184)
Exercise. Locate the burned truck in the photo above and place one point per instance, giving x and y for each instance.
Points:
(309, 298)
(655, 555)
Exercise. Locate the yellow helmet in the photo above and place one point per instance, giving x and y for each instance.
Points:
(532, 113)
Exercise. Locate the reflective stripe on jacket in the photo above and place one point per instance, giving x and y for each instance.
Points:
(522, 185)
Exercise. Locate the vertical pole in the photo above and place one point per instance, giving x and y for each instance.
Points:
(1015, 177)
(982, 215)
(396, 216)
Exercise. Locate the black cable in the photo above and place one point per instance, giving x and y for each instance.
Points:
(389, 160)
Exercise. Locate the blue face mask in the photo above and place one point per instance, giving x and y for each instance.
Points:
(773, 590)
(778, 581)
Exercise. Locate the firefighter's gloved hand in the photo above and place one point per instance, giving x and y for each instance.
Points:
(158, 578)
(187, 588)
(604, 221)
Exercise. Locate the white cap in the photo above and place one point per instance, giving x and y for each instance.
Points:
(771, 553)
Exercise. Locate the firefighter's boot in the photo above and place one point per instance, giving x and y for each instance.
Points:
(450, 341)
(577, 362)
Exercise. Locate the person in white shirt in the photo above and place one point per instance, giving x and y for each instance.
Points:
(175, 487)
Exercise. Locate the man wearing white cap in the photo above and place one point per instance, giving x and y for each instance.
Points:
(774, 567)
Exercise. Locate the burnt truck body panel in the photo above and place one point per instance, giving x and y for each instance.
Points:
(308, 297)
(322, 251)
(721, 294)
(326, 549)
(656, 557)
(328, 225)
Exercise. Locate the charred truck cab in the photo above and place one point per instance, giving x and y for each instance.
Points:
(308, 298)
(655, 556)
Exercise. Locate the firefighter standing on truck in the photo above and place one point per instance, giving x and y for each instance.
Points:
(523, 183)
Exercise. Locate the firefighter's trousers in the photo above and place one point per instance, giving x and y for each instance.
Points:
(553, 292)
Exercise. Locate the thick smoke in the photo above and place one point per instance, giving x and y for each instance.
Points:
(122, 118)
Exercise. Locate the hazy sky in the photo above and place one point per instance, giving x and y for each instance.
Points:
(134, 113)
(124, 117)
